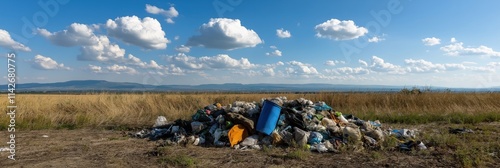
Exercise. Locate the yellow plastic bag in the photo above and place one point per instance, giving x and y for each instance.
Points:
(237, 134)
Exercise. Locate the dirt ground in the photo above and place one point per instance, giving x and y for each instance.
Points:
(113, 148)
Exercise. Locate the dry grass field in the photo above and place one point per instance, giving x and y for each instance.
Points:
(89, 130)
(43, 111)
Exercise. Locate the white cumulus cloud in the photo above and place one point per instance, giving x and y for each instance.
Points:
(268, 72)
(47, 63)
(453, 40)
(146, 33)
(339, 30)
(220, 61)
(224, 61)
(92, 47)
(102, 51)
(301, 68)
(458, 49)
(154, 65)
(452, 67)
(223, 33)
(431, 41)
(364, 63)
(422, 66)
(274, 53)
(182, 49)
(185, 61)
(168, 14)
(330, 63)
(132, 60)
(281, 33)
(98, 48)
(76, 35)
(333, 62)
(118, 69)
(7, 42)
(352, 71)
(95, 68)
(379, 65)
(375, 39)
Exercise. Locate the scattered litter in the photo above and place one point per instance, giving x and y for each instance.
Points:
(160, 121)
(279, 121)
(370, 141)
(408, 146)
(237, 134)
(197, 126)
(315, 138)
(142, 134)
(320, 148)
(403, 133)
(341, 117)
(250, 141)
(45, 136)
(301, 136)
(460, 130)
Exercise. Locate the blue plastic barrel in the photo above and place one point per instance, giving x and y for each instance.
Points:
(268, 117)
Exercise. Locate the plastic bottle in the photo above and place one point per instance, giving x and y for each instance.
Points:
(341, 117)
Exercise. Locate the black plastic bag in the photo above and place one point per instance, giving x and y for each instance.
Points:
(294, 119)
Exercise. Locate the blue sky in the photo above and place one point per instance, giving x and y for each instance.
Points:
(391, 42)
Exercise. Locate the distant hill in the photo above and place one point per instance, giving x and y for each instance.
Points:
(102, 85)
(81, 85)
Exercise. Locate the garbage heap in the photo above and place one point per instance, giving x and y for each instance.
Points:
(277, 122)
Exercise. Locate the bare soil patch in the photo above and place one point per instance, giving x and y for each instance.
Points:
(113, 148)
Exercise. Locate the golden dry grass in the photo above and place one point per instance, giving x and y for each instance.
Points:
(41, 111)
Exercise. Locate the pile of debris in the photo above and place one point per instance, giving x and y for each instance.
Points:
(274, 122)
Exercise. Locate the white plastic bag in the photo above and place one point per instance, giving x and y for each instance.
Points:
(328, 122)
(404, 133)
(301, 136)
(352, 132)
(321, 148)
(250, 141)
(160, 121)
